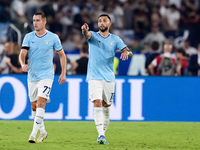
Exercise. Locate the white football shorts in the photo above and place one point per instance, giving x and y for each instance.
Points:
(101, 89)
(40, 88)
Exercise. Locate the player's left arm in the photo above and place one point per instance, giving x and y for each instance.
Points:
(63, 62)
(126, 53)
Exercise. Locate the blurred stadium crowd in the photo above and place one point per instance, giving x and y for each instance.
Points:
(144, 25)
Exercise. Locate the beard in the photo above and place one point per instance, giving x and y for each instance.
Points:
(103, 29)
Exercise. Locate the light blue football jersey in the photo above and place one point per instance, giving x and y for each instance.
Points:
(40, 55)
(101, 56)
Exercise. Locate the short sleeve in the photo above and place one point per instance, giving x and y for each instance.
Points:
(26, 41)
(92, 38)
(57, 44)
(120, 44)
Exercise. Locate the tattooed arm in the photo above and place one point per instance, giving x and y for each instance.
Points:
(126, 53)
(85, 31)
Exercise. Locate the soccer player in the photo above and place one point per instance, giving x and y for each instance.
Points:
(40, 45)
(100, 74)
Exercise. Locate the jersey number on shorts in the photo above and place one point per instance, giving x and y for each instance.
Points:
(47, 89)
(112, 96)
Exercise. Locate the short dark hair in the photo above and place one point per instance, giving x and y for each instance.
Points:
(181, 50)
(155, 45)
(173, 6)
(41, 14)
(106, 15)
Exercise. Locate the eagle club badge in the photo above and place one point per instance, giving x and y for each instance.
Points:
(111, 42)
(47, 41)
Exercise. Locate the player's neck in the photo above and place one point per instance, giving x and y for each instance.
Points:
(104, 34)
(41, 32)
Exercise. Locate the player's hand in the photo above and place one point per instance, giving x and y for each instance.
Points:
(85, 27)
(62, 79)
(124, 55)
(25, 68)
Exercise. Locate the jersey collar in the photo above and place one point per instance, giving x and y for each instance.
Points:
(42, 35)
(102, 36)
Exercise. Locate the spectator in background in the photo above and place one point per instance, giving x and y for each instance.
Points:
(78, 18)
(163, 6)
(70, 5)
(57, 65)
(71, 65)
(4, 11)
(78, 41)
(156, 20)
(12, 60)
(175, 2)
(189, 49)
(72, 43)
(109, 9)
(8, 48)
(56, 26)
(82, 61)
(136, 66)
(184, 10)
(146, 14)
(135, 46)
(97, 9)
(193, 23)
(154, 53)
(19, 23)
(87, 18)
(170, 21)
(79, 67)
(128, 15)
(67, 19)
(17, 11)
(194, 63)
(4, 69)
(181, 62)
(31, 7)
(160, 64)
(154, 35)
(49, 11)
(140, 20)
(68, 44)
(119, 15)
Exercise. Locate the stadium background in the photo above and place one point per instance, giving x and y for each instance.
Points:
(139, 96)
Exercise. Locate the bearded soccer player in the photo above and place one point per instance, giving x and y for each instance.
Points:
(100, 74)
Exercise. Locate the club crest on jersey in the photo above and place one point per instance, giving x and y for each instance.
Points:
(47, 41)
(111, 42)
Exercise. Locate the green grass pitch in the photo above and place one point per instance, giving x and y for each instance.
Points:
(82, 135)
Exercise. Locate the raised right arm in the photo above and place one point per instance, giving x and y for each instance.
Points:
(85, 31)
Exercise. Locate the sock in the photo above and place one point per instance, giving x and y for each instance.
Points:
(42, 127)
(38, 121)
(33, 114)
(98, 119)
(106, 118)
